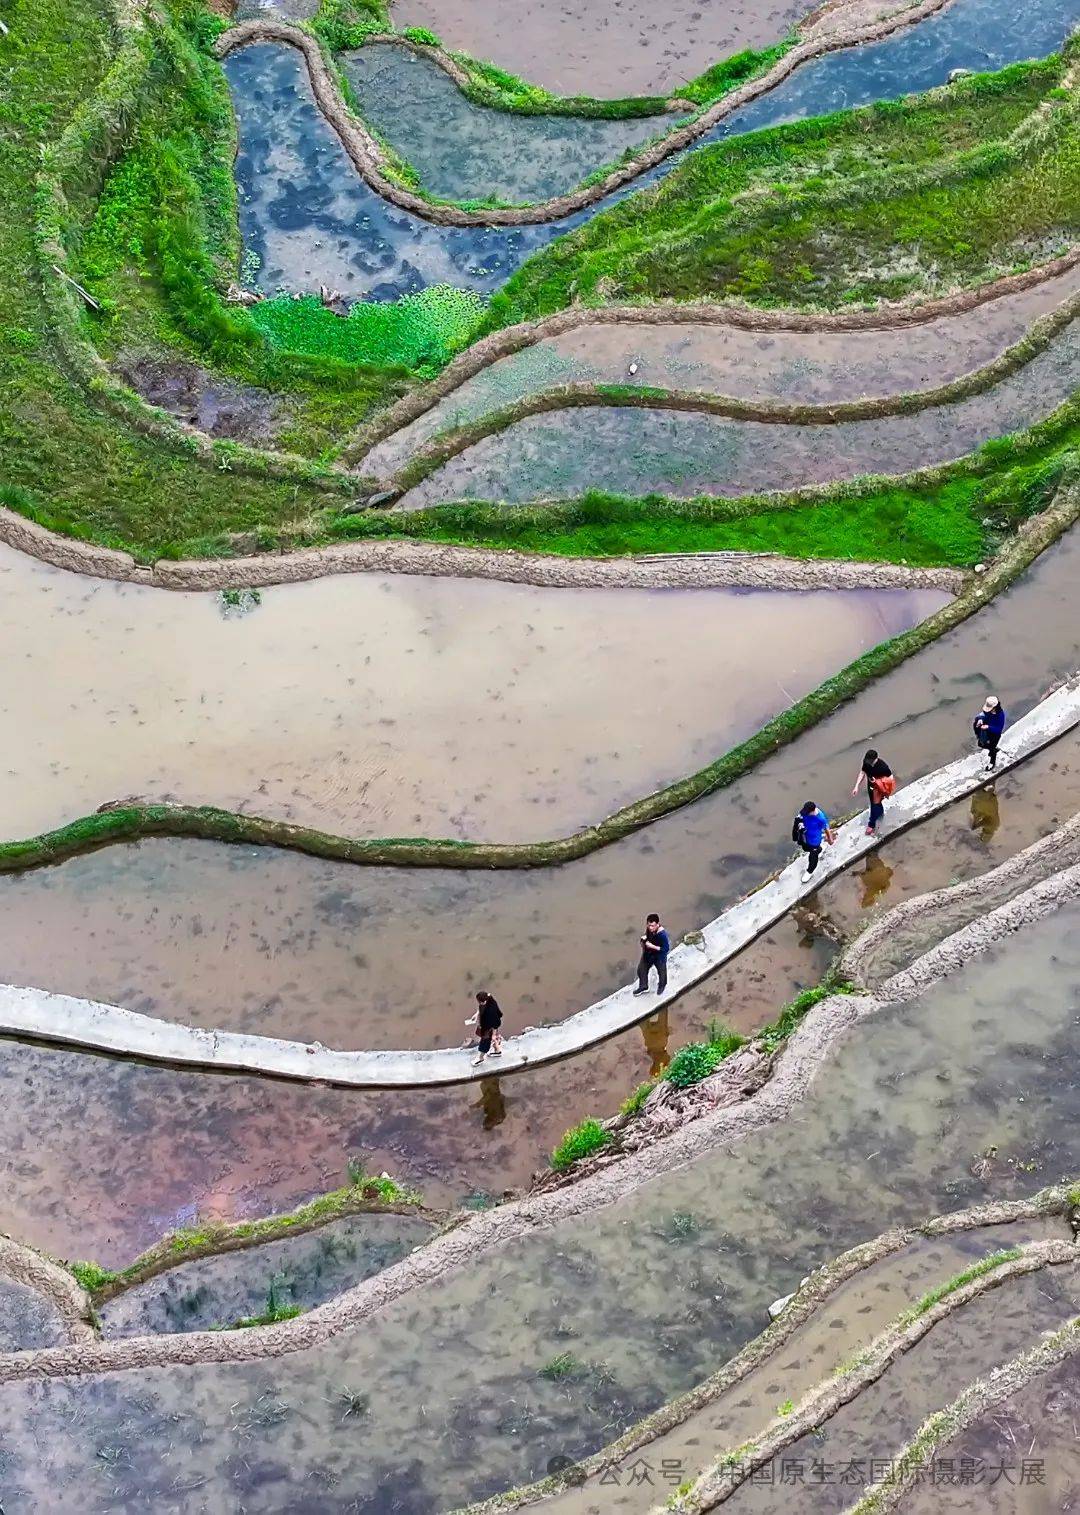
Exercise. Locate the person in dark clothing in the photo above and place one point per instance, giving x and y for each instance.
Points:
(810, 831)
(487, 1020)
(988, 726)
(655, 946)
(880, 783)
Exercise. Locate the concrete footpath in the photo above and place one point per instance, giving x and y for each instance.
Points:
(61, 1019)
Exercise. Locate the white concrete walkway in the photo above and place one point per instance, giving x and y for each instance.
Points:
(58, 1018)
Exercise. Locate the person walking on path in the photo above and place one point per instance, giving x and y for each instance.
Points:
(988, 726)
(655, 946)
(487, 1019)
(880, 783)
(811, 830)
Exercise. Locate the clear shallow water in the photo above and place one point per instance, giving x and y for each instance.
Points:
(649, 1295)
(562, 454)
(1025, 1453)
(299, 1270)
(311, 220)
(463, 151)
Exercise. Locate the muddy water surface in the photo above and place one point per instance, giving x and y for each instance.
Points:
(28, 1319)
(399, 706)
(790, 367)
(854, 1449)
(561, 455)
(463, 151)
(603, 47)
(647, 1295)
(308, 219)
(1022, 1458)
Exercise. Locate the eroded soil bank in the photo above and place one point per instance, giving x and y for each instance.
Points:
(399, 706)
(687, 1264)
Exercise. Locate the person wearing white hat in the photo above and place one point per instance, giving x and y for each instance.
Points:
(988, 726)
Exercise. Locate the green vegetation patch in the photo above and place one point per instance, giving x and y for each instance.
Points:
(760, 217)
(694, 1062)
(580, 1141)
(421, 331)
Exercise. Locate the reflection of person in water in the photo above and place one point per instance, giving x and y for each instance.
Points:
(985, 813)
(655, 1033)
(492, 1103)
(876, 878)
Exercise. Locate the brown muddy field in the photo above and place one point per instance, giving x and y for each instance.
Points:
(603, 47)
(399, 706)
(842, 1325)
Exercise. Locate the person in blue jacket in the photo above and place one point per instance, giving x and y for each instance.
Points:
(988, 726)
(655, 946)
(811, 830)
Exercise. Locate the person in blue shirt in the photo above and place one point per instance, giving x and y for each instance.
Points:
(655, 946)
(988, 726)
(811, 830)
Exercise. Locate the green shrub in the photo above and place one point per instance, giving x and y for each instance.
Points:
(697, 1060)
(423, 35)
(580, 1141)
(91, 1275)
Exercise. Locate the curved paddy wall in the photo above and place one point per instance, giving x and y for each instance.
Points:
(635, 448)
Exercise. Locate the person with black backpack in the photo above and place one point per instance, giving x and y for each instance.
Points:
(880, 783)
(809, 831)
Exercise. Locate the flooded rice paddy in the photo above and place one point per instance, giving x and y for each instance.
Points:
(463, 151)
(603, 47)
(789, 367)
(163, 1148)
(359, 957)
(1023, 1457)
(874, 1427)
(308, 219)
(379, 957)
(27, 1319)
(646, 1296)
(639, 451)
(300, 1271)
(841, 1326)
(401, 705)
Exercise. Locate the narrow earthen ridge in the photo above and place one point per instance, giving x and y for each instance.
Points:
(707, 570)
(87, 1025)
(730, 1473)
(512, 339)
(1050, 854)
(802, 1059)
(973, 1404)
(369, 159)
(23, 1265)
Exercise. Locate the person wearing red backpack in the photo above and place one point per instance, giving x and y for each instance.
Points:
(880, 783)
